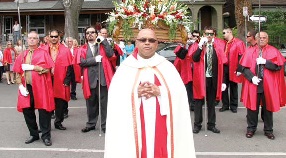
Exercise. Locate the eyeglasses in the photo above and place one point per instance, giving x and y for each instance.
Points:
(150, 40)
(90, 32)
(9, 44)
(54, 36)
(248, 36)
(209, 34)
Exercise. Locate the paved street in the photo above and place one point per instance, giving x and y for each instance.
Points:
(74, 144)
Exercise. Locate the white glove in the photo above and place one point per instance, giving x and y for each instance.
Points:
(203, 41)
(255, 80)
(28, 67)
(223, 87)
(98, 58)
(23, 90)
(99, 39)
(237, 73)
(260, 60)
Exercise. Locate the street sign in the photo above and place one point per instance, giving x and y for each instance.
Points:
(255, 18)
(245, 11)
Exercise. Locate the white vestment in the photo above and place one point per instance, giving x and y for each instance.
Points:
(120, 138)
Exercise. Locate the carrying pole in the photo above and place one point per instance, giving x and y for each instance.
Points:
(99, 96)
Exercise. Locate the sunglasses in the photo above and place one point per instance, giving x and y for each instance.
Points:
(90, 32)
(150, 40)
(223, 32)
(54, 36)
(196, 36)
(209, 34)
(248, 36)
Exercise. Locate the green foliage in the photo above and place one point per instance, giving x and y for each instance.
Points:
(274, 26)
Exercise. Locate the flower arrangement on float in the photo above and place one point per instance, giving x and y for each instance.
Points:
(156, 14)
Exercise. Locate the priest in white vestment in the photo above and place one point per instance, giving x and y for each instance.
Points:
(148, 112)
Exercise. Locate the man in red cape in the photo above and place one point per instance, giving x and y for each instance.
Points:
(234, 49)
(264, 84)
(97, 71)
(33, 68)
(208, 60)
(61, 75)
(183, 64)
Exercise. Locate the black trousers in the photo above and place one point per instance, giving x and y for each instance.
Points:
(61, 105)
(189, 88)
(252, 116)
(210, 98)
(1, 72)
(30, 118)
(73, 85)
(230, 100)
(92, 106)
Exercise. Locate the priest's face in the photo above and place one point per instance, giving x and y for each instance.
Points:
(54, 37)
(263, 39)
(33, 39)
(90, 34)
(146, 43)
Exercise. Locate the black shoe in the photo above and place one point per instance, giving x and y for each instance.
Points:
(214, 129)
(31, 139)
(47, 142)
(196, 130)
(53, 116)
(233, 110)
(249, 134)
(192, 108)
(66, 115)
(270, 136)
(103, 130)
(60, 127)
(73, 98)
(223, 109)
(39, 131)
(87, 129)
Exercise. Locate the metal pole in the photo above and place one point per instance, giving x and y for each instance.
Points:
(245, 29)
(19, 19)
(99, 96)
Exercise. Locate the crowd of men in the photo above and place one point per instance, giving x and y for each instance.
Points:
(209, 68)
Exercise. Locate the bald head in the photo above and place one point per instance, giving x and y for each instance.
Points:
(263, 38)
(147, 43)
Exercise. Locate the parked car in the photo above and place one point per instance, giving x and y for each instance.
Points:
(283, 51)
(167, 51)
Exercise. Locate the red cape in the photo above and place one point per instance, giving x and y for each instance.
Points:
(184, 67)
(7, 56)
(76, 67)
(42, 84)
(63, 60)
(106, 65)
(273, 81)
(199, 90)
(237, 48)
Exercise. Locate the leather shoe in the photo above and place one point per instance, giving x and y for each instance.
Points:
(60, 127)
(249, 134)
(270, 136)
(47, 142)
(223, 109)
(214, 129)
(31, 139)
(196, 130)
(87, 129)
(73, 98)
(233, 110)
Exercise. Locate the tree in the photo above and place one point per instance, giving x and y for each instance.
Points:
(72, 10)
(240, 19)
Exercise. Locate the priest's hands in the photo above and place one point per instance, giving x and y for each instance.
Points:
(27, 67)
(255, 80)
(203, 41)
(148, 90)
(23, 90)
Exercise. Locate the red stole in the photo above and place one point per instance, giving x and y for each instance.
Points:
(160, 143)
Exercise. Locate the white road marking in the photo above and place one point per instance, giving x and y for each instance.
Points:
(102, 151)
